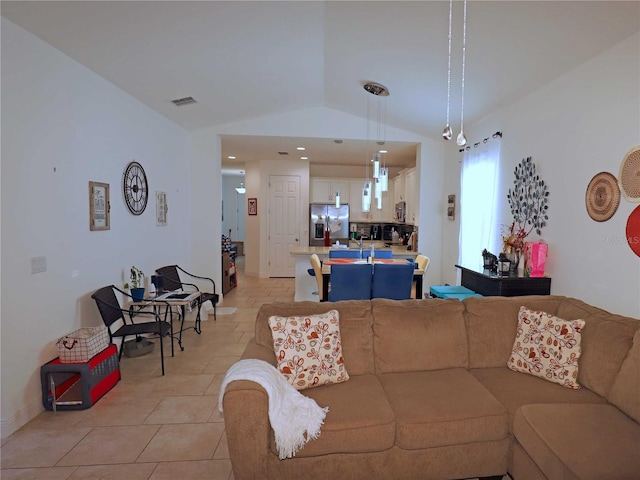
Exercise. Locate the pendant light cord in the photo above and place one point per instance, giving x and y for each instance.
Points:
(464, 55)
(449, 62)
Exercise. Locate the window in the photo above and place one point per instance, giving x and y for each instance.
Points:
(478, 204)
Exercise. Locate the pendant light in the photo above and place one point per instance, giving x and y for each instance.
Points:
(461, 140)
(447, 133)
(366, 196)
(373, 189)
(241, 190)
(337, 198)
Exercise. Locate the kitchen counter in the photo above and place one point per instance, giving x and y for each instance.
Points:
(306, 285)
(398, 250)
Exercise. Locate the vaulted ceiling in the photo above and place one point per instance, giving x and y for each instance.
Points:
(244, 59)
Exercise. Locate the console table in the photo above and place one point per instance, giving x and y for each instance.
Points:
(488, 283)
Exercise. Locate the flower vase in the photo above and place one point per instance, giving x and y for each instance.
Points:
(514, 257)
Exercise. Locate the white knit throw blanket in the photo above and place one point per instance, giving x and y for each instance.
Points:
(295, 418)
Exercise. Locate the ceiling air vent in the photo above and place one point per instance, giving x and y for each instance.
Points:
(179, 102)
(283, 153)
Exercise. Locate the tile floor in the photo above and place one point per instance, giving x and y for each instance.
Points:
(149, 426)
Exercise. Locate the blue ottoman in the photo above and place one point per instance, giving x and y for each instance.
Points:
(443, 291)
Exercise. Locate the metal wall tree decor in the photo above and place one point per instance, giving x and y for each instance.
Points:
(529, 198)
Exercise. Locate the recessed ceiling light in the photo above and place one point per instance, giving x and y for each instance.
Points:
(382, 151)
(300, 148)
(304, 158)
(231, 157)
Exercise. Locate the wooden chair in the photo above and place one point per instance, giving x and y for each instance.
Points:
(422, 262)
(317, 270)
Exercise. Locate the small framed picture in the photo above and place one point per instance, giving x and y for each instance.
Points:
(252, 206)
(161, 208)
(451, 207)
(99, 206)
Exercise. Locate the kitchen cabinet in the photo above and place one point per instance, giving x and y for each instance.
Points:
(398, 188)
(323, 190)
(412, 196)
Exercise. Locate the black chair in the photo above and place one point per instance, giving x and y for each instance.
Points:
(111, 312)
(170, 278)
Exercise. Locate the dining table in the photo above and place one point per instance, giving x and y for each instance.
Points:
(418, 273)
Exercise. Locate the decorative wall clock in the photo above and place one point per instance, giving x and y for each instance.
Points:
(135, 188)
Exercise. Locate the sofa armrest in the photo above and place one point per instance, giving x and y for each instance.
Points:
(246, 421)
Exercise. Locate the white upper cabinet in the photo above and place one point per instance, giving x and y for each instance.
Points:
(412, 196)
(398, 190)
(323, 190)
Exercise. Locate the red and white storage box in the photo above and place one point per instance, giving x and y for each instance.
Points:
(81, 345)
(77, 386)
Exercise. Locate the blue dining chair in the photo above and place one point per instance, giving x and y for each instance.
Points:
(344, 253)
(378, 254)
(392, 281)
(350, 282)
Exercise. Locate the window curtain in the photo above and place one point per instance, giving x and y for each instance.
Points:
(479, 228)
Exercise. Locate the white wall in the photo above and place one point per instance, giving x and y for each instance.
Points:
(63, 126)
(575, 127)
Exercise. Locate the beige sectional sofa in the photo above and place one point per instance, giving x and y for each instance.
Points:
(430, 397)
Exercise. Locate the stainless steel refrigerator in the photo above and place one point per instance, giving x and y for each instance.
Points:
(325, 216)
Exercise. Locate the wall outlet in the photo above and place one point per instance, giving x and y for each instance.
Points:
(38, 264)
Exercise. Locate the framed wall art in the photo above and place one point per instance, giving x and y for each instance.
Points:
(451, 207)
(99, 206)
(161, 208)
(252, 206)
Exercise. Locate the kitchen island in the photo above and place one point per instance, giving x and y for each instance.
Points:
(306, 285)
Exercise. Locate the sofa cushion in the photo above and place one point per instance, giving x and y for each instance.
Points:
(547, 347)
(443, 407)
(606, 339)
(360, 418)
(355, 329)
(309, 349)
(492, 323)
(579, 441)
(625, 392)
(513, 389)
(417, 335)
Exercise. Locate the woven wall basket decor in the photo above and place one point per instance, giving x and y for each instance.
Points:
(629, 177)
(602, 197)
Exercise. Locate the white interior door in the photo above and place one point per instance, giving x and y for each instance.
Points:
(284, 224)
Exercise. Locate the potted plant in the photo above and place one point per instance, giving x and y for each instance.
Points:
(135, 284)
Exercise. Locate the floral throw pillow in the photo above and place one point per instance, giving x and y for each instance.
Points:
(547, 347)
(309, 349)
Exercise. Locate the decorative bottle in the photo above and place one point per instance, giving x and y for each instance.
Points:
(372, 253)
